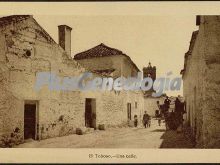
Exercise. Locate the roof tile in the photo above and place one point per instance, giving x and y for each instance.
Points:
(102, 50)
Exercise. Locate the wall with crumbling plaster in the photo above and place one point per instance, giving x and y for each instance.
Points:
(201, 84)
(25, 50)
(111, 106)
(45, 55)
(120, 63)
(150, 104)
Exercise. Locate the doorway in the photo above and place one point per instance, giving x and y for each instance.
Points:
(30, 112)
(90, 113)
(129, 110)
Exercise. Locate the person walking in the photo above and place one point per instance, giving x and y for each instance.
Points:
(146, 119)
(159, 115)
(177, 105)
(167, 102)
(179, 110)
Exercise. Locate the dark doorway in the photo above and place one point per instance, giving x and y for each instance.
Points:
(129, 110)
(29, 121)
(90, 113)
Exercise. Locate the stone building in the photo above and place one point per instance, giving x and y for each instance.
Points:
(106, 61)
(150, 102)
(27, 49)
(149, 71)
(201, 87)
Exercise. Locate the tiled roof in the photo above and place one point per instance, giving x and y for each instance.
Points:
(12, 18)
(98, 51)
(101, 50)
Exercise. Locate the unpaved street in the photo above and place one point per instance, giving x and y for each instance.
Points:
(153, 137)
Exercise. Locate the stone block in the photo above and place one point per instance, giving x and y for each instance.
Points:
(101, 127)
(79, 131)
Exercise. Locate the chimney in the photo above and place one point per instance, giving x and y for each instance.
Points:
(65, 38)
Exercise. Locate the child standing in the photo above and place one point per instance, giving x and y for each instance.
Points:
(135, 121)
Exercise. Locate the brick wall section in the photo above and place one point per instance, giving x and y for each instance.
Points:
(201, 84)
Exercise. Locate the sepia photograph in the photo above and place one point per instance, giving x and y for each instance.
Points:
(109, 81)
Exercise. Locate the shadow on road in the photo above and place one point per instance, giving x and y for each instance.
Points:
(172, 139)
(159, 130)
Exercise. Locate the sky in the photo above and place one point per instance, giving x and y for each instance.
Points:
(161, 40)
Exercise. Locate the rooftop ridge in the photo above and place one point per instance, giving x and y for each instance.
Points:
(101, 50)
(13, 18)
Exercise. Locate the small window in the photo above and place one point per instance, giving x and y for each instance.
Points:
(135, 104)
(28, 53)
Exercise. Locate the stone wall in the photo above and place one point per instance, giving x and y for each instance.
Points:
(211, 108)
(29, 50)
(25, 50)
(120, 63)
(150, 104)
(128, 70)
(201, 84)
(111, 106)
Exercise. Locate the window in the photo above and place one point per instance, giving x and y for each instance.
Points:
(27, 53)
(135, 104)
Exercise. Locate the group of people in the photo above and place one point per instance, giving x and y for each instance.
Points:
(146, 120)
(163, 110)
(172, 119)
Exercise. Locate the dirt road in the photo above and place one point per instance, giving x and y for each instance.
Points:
(153, 137)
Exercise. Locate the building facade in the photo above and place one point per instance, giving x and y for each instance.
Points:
(110, 62)
(104, 59)
(26, 49)
(201, 82)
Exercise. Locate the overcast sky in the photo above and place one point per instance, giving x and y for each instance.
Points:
(162, 40)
